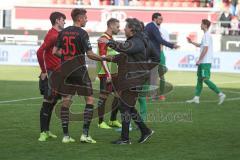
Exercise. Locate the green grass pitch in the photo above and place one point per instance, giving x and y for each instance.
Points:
(182, 131)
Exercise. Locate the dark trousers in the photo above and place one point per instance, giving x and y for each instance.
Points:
(128, 111)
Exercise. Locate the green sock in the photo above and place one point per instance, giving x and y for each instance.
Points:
(212, 86)
(143, 107)
(199, 86)
(162, 85)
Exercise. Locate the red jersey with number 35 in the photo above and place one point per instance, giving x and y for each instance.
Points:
(74, 41)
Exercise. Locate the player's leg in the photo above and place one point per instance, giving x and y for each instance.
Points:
(51, 107)
(162, 88)
(126, 118)
(199, 86)
(64, 114)
(142, 101)
(113, 122)
(143, 107)
(101, 103)
(210, 84)
(162, 69)
(46, 110)
(87, 118)
(153, 82)
(44, 121)
(161, 76)
(113, 119)
(145, 131)
(213, 87)
(53, 97)
(129, 99)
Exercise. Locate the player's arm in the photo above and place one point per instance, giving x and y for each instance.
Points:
(194, 43)
(47, 43)
(129, 47)
(155, 32)
(103, 53)
(40, 57)
(57, 49)
(94, 56)
(88, 49)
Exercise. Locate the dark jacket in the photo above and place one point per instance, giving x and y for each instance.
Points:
(137, 57)
(154, 35)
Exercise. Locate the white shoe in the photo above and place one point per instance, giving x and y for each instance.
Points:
(194, 100)
(221, 98)
(67, 139)
(87, 139)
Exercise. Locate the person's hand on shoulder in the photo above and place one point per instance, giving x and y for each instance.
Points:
(103, 40)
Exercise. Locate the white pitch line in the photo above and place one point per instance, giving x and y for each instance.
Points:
(8, 129)
(232, 92)
(177, 102)
(18, 100)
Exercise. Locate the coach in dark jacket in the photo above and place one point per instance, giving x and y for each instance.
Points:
(154, 34)
(133, 71)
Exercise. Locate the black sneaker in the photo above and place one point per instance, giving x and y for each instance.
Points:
(120, 141)
(145, 136)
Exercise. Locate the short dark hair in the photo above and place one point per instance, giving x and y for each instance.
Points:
(56, 15)
(155, 15)
(111, 21)
(206, 22)
(134, 24)
(77, 12)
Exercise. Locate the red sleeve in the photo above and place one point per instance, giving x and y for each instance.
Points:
(48, 43)
(40, 57)
(102, 47)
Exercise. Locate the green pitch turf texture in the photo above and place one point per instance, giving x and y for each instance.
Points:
(182, 131)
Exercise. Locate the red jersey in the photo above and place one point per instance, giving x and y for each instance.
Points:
(46, 59)
(102, 49)
(103, 46)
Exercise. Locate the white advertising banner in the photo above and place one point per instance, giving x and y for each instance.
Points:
(186, 61)
(18, 55)
(175, 59)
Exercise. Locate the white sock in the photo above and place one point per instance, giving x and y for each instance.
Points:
(196, 97)
(220, 94)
